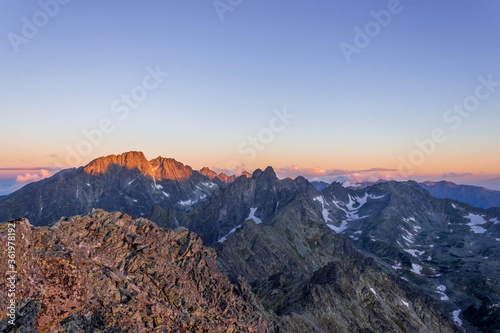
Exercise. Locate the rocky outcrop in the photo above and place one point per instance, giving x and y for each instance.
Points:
(158, 169)
(130, 161)
(105, 272)
(208, 173)
(168, 168)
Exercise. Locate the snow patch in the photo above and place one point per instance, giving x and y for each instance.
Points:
(409, 240)
(457, 320)
(187, 202)
(338, 230)
(252, 216)
(398, 266)
(475, 221)
(325, 216)
(165, 194)
(230, 232)
(478, 230)
(373, 291)
(417, 269)
(441, 289)
(406, 303)
(414, 253)
(410, 219)
(158, 186)
(324, 212)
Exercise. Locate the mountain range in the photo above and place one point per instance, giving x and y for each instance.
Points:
(473, 195)
(389, 257)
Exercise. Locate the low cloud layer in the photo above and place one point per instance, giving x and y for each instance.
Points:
(346, 177)
(32, 177)
(16, 178)
(453, 174)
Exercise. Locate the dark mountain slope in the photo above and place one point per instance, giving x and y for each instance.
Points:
(127, 182)
(449, 249)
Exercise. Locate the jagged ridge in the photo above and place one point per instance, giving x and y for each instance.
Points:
(105, 272)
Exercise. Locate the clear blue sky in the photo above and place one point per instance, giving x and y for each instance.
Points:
(226, 78)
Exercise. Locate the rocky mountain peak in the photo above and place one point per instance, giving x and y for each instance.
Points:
(168, 168)
(159, 168)
(246, 174)
(267, 174)
(130, 160)
(208, 173)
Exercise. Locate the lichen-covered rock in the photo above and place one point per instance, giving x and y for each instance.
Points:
(103, 272)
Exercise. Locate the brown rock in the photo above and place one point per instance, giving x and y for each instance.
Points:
(91, 273)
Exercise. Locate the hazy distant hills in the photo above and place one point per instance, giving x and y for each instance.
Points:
(385, 257)
(473, 195)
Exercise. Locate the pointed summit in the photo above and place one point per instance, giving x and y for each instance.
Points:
(130, 160)
(168, 168)
(208, 173)
(268, 173)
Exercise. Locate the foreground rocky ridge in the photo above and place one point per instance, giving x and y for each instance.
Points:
(106, 273)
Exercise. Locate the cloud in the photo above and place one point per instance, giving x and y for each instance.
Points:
(30, 169)
(453, 174)
(31, 177)
(346, 177)
(232, 168)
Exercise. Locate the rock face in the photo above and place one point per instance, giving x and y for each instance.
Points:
(106, 273)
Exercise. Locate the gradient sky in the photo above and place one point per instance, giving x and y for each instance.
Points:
(227, 78)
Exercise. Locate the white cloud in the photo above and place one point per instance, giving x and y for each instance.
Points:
(346, 177)
(31, 177)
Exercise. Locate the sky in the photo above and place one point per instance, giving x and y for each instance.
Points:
(353, 89)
